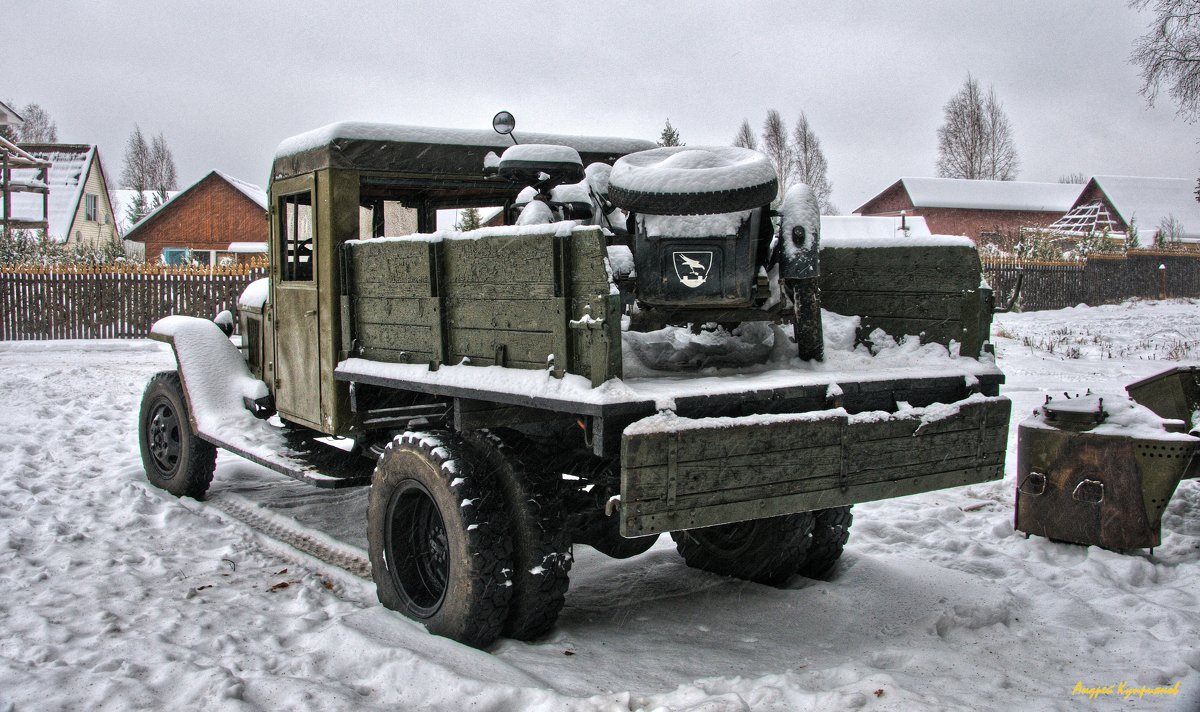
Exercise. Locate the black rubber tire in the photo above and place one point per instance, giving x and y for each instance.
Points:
(807, 330)
(618, 547)
(687, 202)
(766, 551)
(437, 538)
(175, 459)
(541, 546)
(830, 534)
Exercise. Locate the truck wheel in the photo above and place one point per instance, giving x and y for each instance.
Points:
(766, 551)
(438, 538)
(805, 296)
(611, 543)
(541, 547)
(692, 180)
(830, 533)
(174, 457)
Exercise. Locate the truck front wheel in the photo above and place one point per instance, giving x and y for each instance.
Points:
(766, 551)
(175, 459)
(438, 538)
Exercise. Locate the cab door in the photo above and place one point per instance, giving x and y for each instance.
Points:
(294, 266)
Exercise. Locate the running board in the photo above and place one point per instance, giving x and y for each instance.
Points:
(332, 474)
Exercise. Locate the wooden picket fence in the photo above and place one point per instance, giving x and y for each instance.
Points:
(1103, 278)
(39, 302)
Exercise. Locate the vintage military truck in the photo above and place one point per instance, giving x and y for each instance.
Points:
(526, 387)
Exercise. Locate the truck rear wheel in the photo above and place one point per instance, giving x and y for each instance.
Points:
(175, 459)
(766, 551)
(541, 547)
(830, 533)
(438, 539)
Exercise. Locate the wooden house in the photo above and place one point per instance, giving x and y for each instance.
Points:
(74, 206)
(980, 209)
(1116, 204)
(216, 220)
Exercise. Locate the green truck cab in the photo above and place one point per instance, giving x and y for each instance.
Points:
(500, 382)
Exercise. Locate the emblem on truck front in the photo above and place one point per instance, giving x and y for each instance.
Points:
(692, 267)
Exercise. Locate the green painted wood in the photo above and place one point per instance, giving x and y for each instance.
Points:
(634, 523)
(472, 299)
(750, 495)
(734, 470)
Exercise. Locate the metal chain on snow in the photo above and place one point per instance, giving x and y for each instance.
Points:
(295, 537)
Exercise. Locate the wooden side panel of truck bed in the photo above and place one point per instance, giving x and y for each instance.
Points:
(521, 300)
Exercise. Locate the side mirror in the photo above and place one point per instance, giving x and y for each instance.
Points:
(504, 123)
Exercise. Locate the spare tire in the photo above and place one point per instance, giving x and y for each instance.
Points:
(691, 180)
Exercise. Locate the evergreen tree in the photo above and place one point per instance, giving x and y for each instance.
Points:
(468, 219)
(810, 165)
(745, 136)
(669, 136)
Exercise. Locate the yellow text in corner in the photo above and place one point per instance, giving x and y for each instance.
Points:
(1123, 690)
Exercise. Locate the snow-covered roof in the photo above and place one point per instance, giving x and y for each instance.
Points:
(248, 248)
(365, 131)
(123, 198)
(250, 190)
(988, 194)
(460, 153)
(69, 164)
(9, 116)
(253, 192)
(1150, 200)
(837, 229)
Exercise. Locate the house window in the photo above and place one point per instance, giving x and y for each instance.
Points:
(295, 237)
(89, 207)
(175, 256)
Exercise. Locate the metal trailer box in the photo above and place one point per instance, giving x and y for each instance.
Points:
(1088, 487)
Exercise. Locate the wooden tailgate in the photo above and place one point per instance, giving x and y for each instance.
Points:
(680, 473)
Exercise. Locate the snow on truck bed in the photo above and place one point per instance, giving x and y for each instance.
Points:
(844, 362)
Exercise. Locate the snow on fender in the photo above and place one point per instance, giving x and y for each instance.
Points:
(693, 180)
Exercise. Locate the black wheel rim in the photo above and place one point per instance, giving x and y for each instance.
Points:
(417, 549)
(163, 437)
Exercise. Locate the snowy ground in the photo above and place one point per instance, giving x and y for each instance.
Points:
(117, 596)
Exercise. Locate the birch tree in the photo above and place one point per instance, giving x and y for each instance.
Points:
(975, 140)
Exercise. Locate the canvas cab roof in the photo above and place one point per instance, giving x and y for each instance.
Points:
(423, 151)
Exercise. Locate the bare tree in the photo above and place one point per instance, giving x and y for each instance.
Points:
(777, 147)
(745, 136)
(135, 175)
(162, 170)
(975, 140)
(810, 165)
(1170, 232)
(1169, 53)
(1074, 178)
(38, 126)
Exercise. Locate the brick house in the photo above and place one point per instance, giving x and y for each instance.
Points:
(980, 209)
(71, 204)
(219, 219)
(1114, 203)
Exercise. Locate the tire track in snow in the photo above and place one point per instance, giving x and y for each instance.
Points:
(295, 535)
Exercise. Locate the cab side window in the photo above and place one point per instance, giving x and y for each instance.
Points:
(295, 237)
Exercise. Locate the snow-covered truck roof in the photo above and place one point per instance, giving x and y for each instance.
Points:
(366, 146)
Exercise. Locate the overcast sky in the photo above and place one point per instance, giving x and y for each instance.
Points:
(225, 82)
